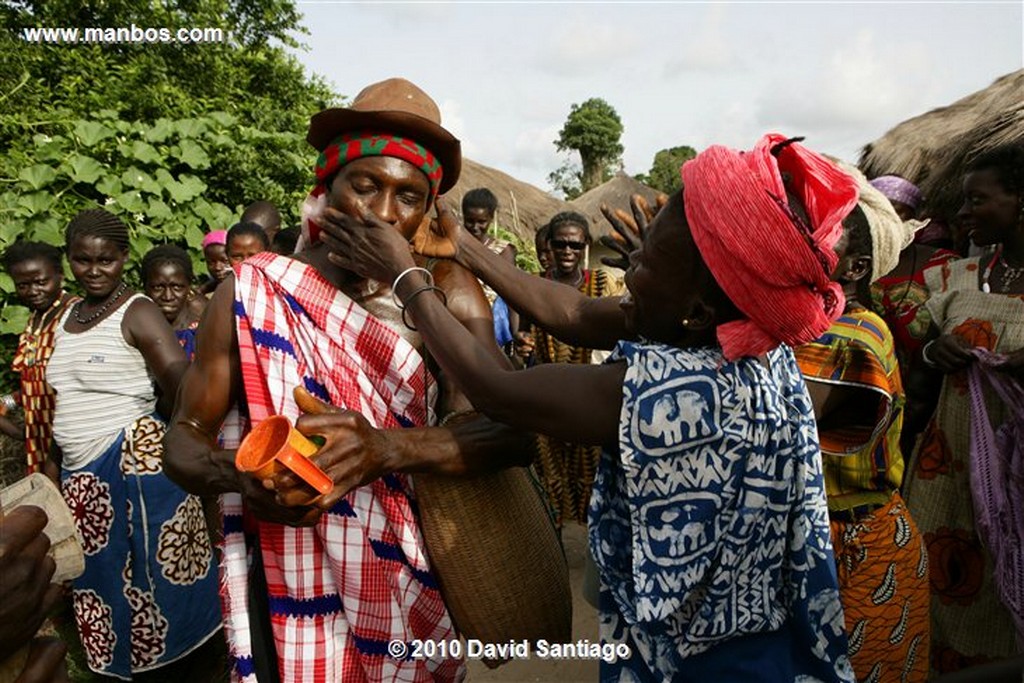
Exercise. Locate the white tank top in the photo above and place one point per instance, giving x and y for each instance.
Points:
(102, 385)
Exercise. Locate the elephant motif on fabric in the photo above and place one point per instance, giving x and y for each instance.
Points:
(671, 413)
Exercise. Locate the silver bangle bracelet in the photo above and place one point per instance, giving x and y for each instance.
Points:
(394, 285)
(924, 354)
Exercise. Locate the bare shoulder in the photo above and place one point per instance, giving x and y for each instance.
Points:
(142, 320)
(453, 278)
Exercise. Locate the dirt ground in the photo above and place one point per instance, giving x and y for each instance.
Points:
(584, 625)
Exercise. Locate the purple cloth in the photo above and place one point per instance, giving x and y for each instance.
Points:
(897, 189)
(997, 479)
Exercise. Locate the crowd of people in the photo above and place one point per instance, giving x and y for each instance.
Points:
(786, 410)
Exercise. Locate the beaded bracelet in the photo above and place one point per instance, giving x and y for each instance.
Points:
(394, 285)
(456, 415)
(425, 288)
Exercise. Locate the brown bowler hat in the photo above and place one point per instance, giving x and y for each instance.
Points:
(393, 106)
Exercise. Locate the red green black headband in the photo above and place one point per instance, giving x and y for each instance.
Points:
(349, 146)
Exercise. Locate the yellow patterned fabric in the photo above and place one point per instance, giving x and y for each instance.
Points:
(863, 464)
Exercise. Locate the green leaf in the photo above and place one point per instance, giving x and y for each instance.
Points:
(191, 128)
(110, 185)
(37, 202)
(133, 176)
(194, 236)
(193, 155)
(108, 114)
(83, 169)
(11, 229)
(187, 188)
(158, 210)
(50, 230)
(159, 131)
(38, 176)
(13, 319)
(130, 201)
(6, 283)
(144, 152)
(223, 119)
(91, 132)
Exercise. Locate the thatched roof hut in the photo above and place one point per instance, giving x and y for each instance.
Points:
(522, 208)
(931, 149)
(616, 194)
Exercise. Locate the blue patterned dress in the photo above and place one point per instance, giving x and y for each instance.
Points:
(710, 527)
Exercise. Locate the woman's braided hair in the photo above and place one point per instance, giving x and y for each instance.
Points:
(100, 224)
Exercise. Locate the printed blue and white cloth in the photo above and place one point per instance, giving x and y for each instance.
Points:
(709, 526)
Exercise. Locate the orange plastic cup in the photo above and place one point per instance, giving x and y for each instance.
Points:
(274, 445)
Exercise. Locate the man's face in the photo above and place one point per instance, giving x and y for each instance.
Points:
(393, 190)
(476, 220)
(37, 283)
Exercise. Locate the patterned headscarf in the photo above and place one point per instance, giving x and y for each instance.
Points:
(771, 264)
(351, 146)
(897, 189)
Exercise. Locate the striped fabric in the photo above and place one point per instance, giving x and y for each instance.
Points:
(97, 398)
(339, 591)
(38, 400)
(863, 464)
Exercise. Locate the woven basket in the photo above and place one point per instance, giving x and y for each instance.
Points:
(496, 556)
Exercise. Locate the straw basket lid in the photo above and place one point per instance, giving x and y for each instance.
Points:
(393, 106)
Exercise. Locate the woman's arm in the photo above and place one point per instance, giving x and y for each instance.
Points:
(564, 311)
(576, 403)
(145, 327)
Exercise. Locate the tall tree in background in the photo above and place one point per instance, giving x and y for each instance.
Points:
(593, 129)
(664, 174)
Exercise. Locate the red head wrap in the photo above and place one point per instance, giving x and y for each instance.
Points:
(771, 264)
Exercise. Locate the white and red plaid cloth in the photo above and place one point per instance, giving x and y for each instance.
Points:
(340, 591)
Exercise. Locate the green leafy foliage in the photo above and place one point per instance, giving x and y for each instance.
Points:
(593, 129)
(173, 137)
(664, 174)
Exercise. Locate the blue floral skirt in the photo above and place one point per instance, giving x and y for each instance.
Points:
(149, 592)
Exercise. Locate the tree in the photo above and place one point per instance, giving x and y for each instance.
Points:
(664, 174)
(593, 129)
(567, 180)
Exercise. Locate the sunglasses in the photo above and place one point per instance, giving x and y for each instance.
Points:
(568, 244)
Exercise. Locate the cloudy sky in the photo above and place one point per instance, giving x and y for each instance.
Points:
(506, 73)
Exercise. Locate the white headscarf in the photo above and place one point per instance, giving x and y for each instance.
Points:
(889, 235)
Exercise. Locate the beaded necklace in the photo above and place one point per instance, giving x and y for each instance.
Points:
(102, 309)
(1010, 273)
(33, 333)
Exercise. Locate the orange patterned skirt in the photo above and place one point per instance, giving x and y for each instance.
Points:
(883, 582)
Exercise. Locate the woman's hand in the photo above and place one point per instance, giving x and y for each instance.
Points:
(629, 230)
(354, 453)
(523, 343)
(948, 353)
(366, 246)
(439, 236)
